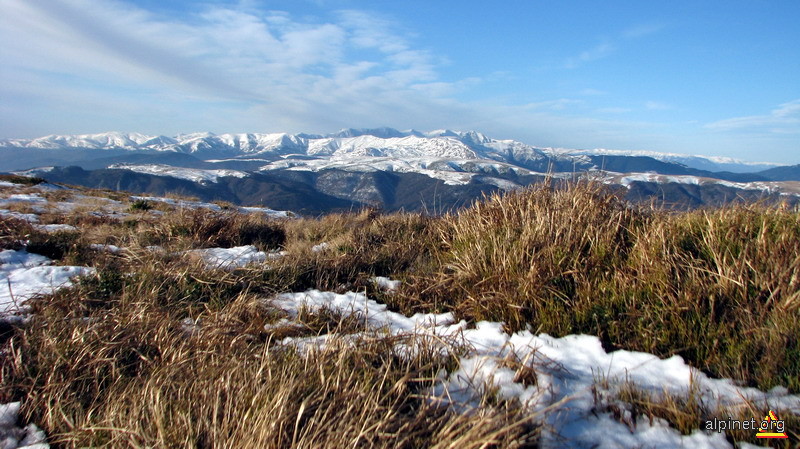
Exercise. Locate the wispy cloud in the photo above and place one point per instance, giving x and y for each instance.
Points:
(589, 92)
(79, 66)
(277, 64)
(656, 106)
(613, 110)
(101, 65)
(641, 30)
(609, 46)
(599, 51)
(784, 119)
(553, 105)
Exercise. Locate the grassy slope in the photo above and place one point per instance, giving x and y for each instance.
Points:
(110, 361)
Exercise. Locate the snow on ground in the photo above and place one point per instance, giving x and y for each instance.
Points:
(266, 211)
(14, 437)
(113, 249)
(575, 376)
(24, 275)
(570, 372)
(320, 247)
(101, 206)
(501, 183)
(190, 174)
(24, 198)
(56, 228)
(31, 218)
(386, 283)
(451, 171)
(781, 187)
(229, 258)
(658, 178)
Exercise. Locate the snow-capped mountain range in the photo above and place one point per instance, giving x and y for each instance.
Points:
(364, 143)
(383, 167)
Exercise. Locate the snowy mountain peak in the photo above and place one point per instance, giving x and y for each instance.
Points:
(98, 141)
(442, 133)
(383, 132)
(365, 142)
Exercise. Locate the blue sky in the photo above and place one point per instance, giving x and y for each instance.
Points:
(715, 78)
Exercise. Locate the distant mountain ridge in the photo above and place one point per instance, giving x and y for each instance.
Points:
(377, 142)
(381, 167)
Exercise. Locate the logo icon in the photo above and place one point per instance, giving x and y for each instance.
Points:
(772, 427)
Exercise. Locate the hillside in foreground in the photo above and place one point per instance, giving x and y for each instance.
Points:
(546, 317)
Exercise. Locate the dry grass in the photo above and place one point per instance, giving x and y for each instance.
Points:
(203, 228)
(576, 259)
(112, 361)
(360, 246)
(632, 406)
(21, 180)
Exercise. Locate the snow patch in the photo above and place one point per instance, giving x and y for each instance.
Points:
(24, 275)
(14, 437)
(190, 174)
(386, 283)
(567, 370)
(320, 247)
(56, 228)
(24, 198)
(31, 218)
(113, 249)
(229, 258)
(780, 187)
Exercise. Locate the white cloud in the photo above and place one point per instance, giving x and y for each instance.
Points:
(788, 110)
(656, 106)
(553, 105)
(609, 46)
(641, 30)
(595, 53)
(79, 66)
(373, 32)
(589, 92)
(220, 54)
(784, 119)
(613, 110)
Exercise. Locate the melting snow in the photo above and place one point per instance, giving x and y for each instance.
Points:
(56, 227)
(386, 283)
(567, 370)
(24, 198)
(230, 258)
(321, 247)
(31, 218)
(113, 249)
(15, 437)
(24, 275)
